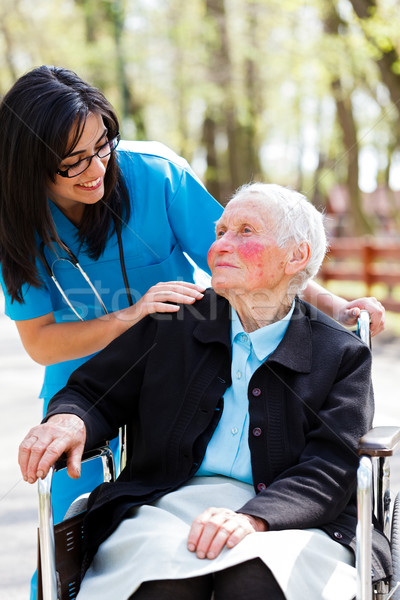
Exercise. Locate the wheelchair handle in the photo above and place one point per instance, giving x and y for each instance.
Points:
(46, 537)
(363, 330)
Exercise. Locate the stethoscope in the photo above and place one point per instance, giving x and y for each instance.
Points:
(72, 259)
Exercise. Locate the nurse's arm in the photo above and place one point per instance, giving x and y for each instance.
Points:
(46, 443)
(346, 312)
(48, 342)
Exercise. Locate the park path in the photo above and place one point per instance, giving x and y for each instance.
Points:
(20, 380)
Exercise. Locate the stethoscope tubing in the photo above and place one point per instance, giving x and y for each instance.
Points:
(75, 263)
(65, 297)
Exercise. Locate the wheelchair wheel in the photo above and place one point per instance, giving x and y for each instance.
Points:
(395, 547)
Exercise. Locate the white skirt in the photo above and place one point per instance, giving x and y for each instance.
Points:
(151, 544)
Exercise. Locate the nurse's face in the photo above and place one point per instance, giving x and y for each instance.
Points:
(71, 194)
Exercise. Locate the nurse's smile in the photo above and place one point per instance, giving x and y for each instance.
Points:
(91, 185)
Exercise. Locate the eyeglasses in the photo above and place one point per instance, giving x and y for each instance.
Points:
(81, 166)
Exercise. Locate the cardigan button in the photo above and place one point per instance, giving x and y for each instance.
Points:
(256, 392)
(261, 487)
(338, 535)
(257, 431)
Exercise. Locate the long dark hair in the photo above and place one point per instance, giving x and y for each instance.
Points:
(37, 116)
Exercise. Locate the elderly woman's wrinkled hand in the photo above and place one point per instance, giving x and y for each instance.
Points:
(350, 312)
(46, 443)
(216, 528)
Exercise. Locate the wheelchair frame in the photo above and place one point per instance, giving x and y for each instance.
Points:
(49, 576)
(373, 497)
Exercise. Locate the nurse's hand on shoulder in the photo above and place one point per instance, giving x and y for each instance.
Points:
(350, 311)
(46, 443)
(216, 528)
(164, 297)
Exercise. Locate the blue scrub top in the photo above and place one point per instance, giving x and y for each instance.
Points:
(171, 215)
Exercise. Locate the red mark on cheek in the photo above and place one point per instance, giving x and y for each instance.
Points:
(252, 251)
(252, 254)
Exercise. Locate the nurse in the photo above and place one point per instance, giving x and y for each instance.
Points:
(96, 233)
(66, 199)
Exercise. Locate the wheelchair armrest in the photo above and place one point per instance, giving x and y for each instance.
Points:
(380, 441)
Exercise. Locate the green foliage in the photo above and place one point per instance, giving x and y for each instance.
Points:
(242, 88)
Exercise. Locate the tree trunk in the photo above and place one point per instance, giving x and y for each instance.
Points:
(130, 106)
(211, 178)
(365, 9)
(361, 223)
(254, 103)
(240, 163)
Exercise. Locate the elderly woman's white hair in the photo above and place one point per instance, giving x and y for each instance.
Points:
(294, 219)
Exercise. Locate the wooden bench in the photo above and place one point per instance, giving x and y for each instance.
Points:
(367, 260)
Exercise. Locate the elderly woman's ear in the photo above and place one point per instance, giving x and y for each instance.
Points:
(298, 258)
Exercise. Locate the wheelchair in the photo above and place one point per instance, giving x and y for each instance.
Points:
(59, 546)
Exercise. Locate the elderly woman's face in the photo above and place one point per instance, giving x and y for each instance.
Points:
(245, 256)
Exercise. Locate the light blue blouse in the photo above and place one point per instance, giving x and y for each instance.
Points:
(228, 451)
(172, 215)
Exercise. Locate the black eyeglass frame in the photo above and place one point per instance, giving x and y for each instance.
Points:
(112, 144)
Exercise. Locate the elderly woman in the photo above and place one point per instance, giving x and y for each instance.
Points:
(245, 412)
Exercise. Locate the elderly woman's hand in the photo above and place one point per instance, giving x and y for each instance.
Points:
(46, 443)
(350, 312)
(216, 528)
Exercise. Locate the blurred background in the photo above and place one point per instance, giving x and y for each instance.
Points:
(304, 93)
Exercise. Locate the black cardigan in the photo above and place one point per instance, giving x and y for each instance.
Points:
(309, 404)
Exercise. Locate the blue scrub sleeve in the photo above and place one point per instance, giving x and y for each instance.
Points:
(192, 214)
(36, 303)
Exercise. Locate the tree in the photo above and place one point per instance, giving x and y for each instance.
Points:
(361, 223)
(234, 108)
(386, 54)
(291, 91)
(107, 17)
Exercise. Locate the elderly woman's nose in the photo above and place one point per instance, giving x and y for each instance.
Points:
(225, 243)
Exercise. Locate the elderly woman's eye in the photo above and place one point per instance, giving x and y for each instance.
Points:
(247, 229)
(220, 233)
